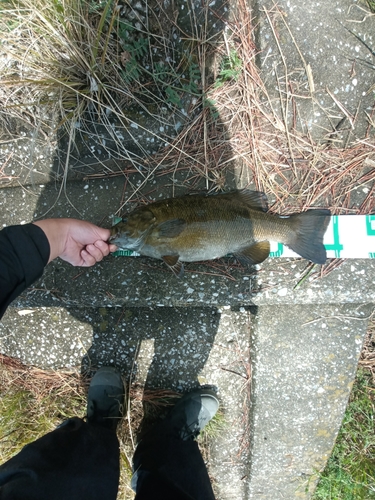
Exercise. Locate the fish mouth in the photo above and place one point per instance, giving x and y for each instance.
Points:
(127, 238)
(125, 242)
(112, 238)
(118, 240)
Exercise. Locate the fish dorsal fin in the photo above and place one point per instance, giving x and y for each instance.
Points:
(255, 253)
(257, 200)
(174, 264)
(171, 228)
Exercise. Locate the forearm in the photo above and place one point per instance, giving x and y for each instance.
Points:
(24, 252)
(56, 231)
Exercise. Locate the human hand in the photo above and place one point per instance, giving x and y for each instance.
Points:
(76, 241)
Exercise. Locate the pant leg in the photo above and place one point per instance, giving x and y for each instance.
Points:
(76, 461)
(168, 468)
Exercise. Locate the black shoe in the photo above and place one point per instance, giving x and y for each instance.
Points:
(193, 412)
(105, 398)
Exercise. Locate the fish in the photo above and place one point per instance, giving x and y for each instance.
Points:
(197, 227)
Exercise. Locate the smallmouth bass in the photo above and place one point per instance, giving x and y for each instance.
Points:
(198, 227)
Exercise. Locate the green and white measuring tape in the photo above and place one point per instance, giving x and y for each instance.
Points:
(347, 237)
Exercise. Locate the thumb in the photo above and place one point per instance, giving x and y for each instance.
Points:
(103, 234)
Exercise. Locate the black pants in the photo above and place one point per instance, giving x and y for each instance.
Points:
(79, 461)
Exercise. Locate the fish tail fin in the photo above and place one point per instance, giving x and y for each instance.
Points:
(308, 229)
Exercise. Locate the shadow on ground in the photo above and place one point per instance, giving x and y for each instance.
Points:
(162, 348)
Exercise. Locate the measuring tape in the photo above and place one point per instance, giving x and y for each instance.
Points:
(346, 237)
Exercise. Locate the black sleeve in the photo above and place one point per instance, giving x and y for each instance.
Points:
(24, 252)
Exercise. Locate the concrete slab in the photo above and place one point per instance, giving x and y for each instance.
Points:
(304, 362)
(317, 61)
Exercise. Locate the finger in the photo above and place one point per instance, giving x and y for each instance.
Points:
(102, 246)
(94, 252)
(88, 260)
(112, 248)
(103, 234)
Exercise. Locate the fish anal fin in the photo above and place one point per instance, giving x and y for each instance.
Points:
(174, 264)
(255, 254)
(171, 228)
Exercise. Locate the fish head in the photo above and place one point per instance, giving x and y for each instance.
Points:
(131, 231)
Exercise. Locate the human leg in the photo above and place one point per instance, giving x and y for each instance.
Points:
(167, 462)
(79, 459)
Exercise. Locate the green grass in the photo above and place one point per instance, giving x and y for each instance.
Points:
(350, 471)
(371, 4)
(230, 68)
(33, 402)
(24, 418)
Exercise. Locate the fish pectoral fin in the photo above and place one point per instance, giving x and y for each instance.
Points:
(255, 254)
(174, 264)
(141, 216)
(171, 228)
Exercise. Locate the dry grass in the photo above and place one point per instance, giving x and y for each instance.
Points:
(53, 55)
(294, 170)
(235, 126)
(85, 67)
(266, 148)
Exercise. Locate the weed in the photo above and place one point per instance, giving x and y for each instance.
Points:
(33, 402)
(210, 105)
(230, 69)
(350, 471)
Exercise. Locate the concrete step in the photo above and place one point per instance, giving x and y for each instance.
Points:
(144, 282)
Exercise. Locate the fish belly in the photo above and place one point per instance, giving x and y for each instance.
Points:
(207, 241)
